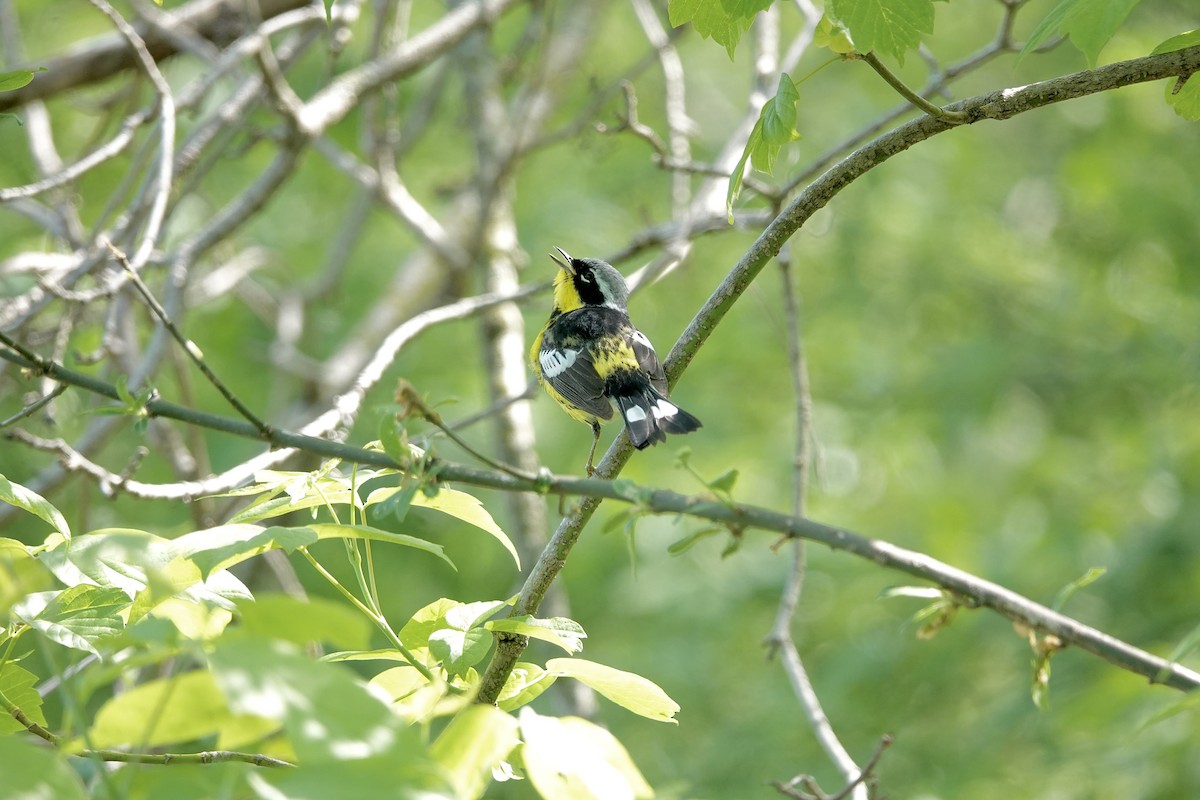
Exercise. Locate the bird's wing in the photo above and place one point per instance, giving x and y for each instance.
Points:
(571, 373)
(648, 359)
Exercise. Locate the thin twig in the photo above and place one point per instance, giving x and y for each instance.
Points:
(189, 347)
(33, 407)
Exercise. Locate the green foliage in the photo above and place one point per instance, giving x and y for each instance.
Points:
(723, 21)
(1183, 95)
(776, 126)
(886, 27)
(15, 79)
(248, 688)
(1088, 23)
(33, 771)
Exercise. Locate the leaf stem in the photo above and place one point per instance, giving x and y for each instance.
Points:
(951, 117)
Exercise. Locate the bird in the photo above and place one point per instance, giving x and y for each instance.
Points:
(589, 356)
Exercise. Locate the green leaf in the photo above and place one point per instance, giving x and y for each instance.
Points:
(626, 689)
(172, 710)
(887, 27)
(414, 698)
(32, 772)
(405, 775)
(1179, 42)
(329, 715)
(523, 685)
(467, 508)
(1091, 576)
(17, 495)
(833, 36)
(219, 548)
(16, 683)
(1088, 23)
(11, 81)
(416, 631)
(279, 616)
(332, 531)
(724, 482)
(80, 617)
(20, 574)
(566, 633)
(681, 546)
(775, 127)
(1183, 95)
(711, 20)
(474, 742)
(570, 758)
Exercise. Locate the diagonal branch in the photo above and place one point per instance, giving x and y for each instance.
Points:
(1000, 104)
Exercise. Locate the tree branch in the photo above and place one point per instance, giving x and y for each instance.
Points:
(1000, 104)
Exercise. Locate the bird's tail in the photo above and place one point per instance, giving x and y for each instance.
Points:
(649, 416)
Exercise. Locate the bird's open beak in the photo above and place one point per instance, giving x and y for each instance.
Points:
(565, 263)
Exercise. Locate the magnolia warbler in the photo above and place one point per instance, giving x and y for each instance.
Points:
(589, 356)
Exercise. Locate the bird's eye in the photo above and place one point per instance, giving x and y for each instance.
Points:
(586, 278)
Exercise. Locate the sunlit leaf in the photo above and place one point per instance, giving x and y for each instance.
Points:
(566, 633)
(887, 27)
(570, 758)
(474, 742)
(1183, 96)
(171, 710)
(460, 505)
(219, 548)
(81, 617)
(711, 19)
(17, 495)
(524, 684)
(328, 714)
(639, 695)
(332, 531)
(17, 683)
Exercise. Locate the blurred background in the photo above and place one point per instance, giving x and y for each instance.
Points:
(1002, 328)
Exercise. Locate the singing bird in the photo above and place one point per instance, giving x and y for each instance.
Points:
(589, 356)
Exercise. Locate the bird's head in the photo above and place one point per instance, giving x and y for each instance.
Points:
(587, 282)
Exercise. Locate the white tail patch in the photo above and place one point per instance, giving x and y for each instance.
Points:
(635, 414)
(555, 362)
(664, 409)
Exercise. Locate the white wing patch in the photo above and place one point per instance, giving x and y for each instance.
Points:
(640, 338)
(664, 409)
(555, 362)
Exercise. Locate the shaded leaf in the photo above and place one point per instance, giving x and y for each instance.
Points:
(1064, 594)
(1088, 23)
(279, 616)
(32, 772)
(11, 81)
